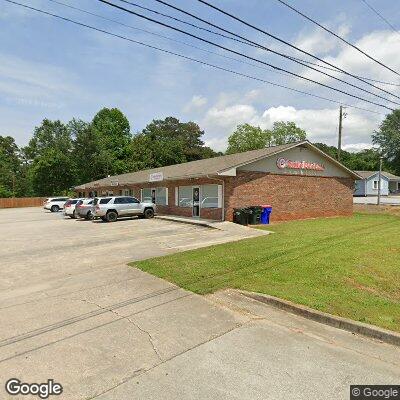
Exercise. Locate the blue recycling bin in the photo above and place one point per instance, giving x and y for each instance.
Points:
(266, 212)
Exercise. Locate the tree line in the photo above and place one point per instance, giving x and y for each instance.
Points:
(62, 155)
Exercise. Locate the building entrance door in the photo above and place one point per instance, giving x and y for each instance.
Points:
(196, 201)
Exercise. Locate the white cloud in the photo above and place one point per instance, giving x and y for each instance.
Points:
(230, 116)
(321, 42)
(354, 147)
(382, 45)
(197, 102)
(321, 125)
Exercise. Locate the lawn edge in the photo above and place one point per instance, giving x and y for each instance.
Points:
(346, 324)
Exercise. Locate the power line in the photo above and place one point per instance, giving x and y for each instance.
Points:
(338, 36)
(249, 42)
(167, 38)
(186, 22)
(259, 61)
(191, 59)
(380, 16)
(269, 49)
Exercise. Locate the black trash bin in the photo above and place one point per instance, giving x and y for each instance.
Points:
(240, 216)
(254, 215)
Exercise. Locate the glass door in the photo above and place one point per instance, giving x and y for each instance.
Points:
(196, 201)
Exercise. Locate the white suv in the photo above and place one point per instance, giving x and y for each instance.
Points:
(54, 204)
(111, 208)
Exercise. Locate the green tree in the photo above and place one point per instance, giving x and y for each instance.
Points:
(52, 173)
(167, 142)
(364, 160)
(388, 139)
(111, 136)
(10, 168)
(49, 135)
(49, 159)
(286, 132)
(247, 137)
(89, 165)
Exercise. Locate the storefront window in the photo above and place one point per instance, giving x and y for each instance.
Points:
(209, 196)
(146, 195)
(161, 196)
(185, 196)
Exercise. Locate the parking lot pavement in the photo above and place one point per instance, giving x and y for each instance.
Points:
(72, 311)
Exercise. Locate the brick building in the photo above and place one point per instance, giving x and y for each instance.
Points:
(297, 179)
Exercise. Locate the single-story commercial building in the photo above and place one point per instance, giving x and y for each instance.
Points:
(369, 184)
(298, 180)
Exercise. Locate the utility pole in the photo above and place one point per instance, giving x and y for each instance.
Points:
(379, 179)
(339, 147)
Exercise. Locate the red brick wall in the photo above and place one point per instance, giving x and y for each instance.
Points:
(291, 196)
(171, 209)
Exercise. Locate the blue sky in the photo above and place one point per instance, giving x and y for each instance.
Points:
(53, 69)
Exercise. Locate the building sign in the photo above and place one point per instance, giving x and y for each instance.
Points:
(283, 163)
(156, 177)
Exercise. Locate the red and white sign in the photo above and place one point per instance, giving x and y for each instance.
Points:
(156, 177)
(283, 163)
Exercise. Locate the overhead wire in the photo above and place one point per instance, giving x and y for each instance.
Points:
(248, 42)
(257, 60)
(337, 36)
(66, 19)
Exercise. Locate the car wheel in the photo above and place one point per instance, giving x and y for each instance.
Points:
(111, 216)
(89, 215)
(55, 208)
(148, 213)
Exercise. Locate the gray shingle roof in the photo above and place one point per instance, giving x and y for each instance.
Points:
(368, 174)
(209, 166)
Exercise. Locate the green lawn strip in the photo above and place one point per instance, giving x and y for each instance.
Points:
(344, 266)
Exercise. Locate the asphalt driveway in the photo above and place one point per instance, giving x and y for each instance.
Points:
(71, 310)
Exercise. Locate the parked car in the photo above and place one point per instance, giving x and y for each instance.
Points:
(111, 208)
(84, 209)
(69, 208)
(54, 204)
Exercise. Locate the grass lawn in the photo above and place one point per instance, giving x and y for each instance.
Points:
(344, 266)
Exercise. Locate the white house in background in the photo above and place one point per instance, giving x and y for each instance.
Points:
(369, 185)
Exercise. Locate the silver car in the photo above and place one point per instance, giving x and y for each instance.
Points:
(69, 208)
(84, 209)
(111, 208)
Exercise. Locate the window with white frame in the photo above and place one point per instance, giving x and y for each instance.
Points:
(126, 192)
(375, 185)
(146, 195)
(161, 196)
(185, 196)
(209, 196)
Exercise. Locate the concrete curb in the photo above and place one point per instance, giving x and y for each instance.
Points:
(187, 221)
(371, 331)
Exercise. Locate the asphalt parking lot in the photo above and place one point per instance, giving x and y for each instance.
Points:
(73, 311)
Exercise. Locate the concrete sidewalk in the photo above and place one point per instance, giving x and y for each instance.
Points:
(73, 311)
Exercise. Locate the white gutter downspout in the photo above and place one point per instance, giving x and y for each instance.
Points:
(223, 194)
